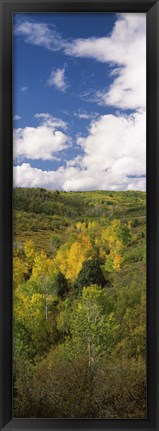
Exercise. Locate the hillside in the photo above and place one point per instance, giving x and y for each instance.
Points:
(79, 304)
(39, 214)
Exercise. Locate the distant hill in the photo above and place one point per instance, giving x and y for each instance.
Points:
(39, 213)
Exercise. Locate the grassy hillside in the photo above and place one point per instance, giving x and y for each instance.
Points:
(39, 214)
(79, 304)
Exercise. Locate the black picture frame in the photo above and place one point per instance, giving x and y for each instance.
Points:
(7, 8)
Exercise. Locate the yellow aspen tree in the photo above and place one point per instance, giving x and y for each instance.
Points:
(79, 251)
(40, 267)
(69, 260)
(20, 269)
(30, 253)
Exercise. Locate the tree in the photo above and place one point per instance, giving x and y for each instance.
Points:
(20, 270)
(89, 328)
(30, 253)
(60, 285)
(114, 244)
(90, 273)
(123, 233)
(69, 258)
(44, 272)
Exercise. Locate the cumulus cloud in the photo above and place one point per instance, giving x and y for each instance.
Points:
(27, 176)
(58, 79)
(113, 154)
(124, 49)
(41, 142)
(113, 159)
(113, 138)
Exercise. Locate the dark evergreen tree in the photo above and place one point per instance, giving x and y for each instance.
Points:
(60, 285)
(90, 273)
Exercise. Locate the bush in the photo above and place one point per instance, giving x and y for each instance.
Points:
(134, 255)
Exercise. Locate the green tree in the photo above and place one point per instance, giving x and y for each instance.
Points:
(123, 233)
(90, 273)
(89, 326)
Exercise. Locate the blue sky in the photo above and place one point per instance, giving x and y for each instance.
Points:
(79, 91)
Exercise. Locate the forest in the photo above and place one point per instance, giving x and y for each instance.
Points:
(79, 304)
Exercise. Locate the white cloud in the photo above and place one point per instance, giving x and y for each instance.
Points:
(17, 117)
(83, 115)
(114, 150)
(26, 176)
(42, 142)
(124, 49)
(51, 121)
(57, 78)
(114, 153)
(40, 34)
(24, 89)
(112, 138)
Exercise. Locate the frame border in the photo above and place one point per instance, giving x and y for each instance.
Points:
(7, 8)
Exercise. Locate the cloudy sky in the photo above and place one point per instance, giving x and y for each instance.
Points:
(79, 90)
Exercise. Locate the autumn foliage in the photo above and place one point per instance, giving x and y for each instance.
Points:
(79, 304)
